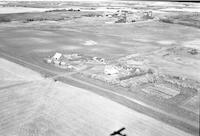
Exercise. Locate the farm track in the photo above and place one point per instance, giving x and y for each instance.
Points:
(11, 86)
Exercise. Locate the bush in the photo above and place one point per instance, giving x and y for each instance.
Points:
(166, 20)
(4, 19)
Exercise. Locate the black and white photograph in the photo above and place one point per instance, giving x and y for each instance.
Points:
(99, 67)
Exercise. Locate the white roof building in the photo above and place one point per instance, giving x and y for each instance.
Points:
(110, 70)
(57, 56)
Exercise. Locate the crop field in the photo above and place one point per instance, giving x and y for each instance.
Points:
(160, 91)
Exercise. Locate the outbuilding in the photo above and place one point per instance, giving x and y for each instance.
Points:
(110, 70)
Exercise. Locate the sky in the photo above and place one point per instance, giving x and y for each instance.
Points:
(100, 0)
(56, 0)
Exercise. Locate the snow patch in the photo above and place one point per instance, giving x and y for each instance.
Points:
(90, 43)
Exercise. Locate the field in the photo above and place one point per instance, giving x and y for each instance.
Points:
(163, 83)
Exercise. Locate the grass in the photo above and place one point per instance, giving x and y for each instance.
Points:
(183, 19)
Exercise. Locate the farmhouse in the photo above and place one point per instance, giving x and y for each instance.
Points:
(57, 56)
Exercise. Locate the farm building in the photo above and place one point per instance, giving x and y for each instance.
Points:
(110, 70)
(100, 60)
(57, 56)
